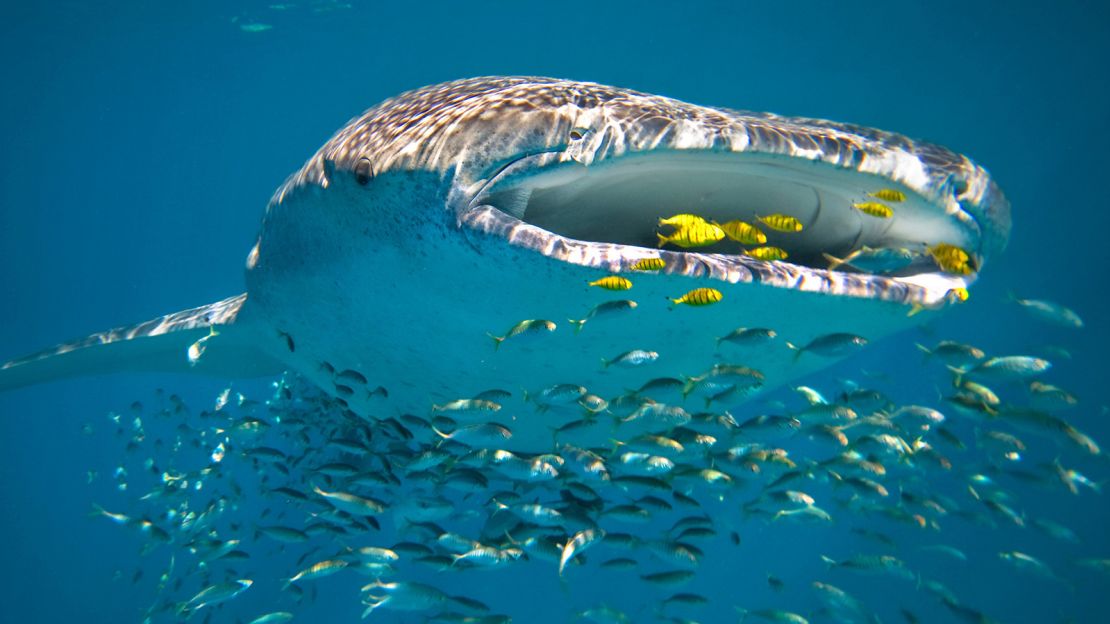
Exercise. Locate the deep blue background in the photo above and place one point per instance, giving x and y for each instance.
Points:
(140, 142)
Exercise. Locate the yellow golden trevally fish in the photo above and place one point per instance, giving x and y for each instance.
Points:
(613, 282)
(682, 220)
(875, 209)
(767, 253)
(781, 222)
(743, 233)
(890, 195)
(958, 294)
(696, 235)
(700, 297)
(648, 264)
(951, 259)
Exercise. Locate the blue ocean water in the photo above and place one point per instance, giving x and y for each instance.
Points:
(141, 142)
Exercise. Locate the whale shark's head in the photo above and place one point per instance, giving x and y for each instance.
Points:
(582, 173)
(454, 212)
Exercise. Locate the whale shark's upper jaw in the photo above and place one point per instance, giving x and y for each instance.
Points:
(585, 207)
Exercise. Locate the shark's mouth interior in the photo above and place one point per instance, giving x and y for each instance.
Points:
(622, 200)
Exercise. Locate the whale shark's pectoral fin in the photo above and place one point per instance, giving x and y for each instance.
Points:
(208, 340)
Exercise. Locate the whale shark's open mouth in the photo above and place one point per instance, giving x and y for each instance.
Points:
(617, 205)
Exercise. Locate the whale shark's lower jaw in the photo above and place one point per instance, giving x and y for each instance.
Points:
(606, 216)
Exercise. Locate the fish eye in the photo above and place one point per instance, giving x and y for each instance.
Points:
(364, 171)
(577, 134)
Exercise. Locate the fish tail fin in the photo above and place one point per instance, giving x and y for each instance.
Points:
(742, 612)
(605, 363)
(497, 340)
(578, 325)
(371, 605)
(834, 262)
(662, 239)
(958, 378)
(182, 342)
(829, 561)
(798, 351)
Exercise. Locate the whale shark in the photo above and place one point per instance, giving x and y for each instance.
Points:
(454, 212)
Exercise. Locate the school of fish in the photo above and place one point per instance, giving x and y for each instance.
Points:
(397, 508)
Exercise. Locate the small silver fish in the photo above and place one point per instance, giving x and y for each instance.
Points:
(603, 310)
(482, 435)
(882, 564)
(644, 464)
(954, 353)
(631, 359)
(578, 544)
(1007, 367)
(529, 327)
(318, 570)
(464, 406)
(1049, 311)
(831, 345)
(875, 261)
(402, 596)
(214, 594)
(552, 396)
(748, 337)
(351, 503)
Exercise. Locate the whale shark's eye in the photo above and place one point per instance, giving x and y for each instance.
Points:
(364, 171)
(579, 133)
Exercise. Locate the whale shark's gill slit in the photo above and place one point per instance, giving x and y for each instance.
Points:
(622, 200)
